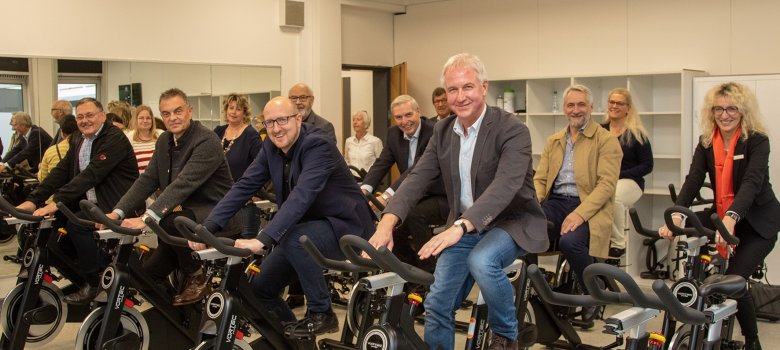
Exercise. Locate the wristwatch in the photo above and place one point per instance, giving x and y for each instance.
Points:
(733, 215)
(462, 224)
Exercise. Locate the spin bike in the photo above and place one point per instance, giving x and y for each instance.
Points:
(118, 323)
(698, 267)
(232, 309)
(34, 311)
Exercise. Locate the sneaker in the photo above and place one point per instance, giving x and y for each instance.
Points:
(315, 324)
(500, 343)
(616, 252)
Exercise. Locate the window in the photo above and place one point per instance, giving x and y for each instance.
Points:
(13, 91)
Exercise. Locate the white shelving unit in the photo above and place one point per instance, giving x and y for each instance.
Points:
(664, 102)
(208, 109)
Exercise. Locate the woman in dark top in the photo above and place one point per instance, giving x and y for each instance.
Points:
(622, 120)
(241, 143)
(734, 150)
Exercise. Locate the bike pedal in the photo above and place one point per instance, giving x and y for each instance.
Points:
(41, 315)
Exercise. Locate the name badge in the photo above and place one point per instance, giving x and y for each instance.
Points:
(739, 156)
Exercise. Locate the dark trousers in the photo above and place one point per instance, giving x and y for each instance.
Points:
(574, 245)
(90, 260)
(751, 251)
(416, 230)
(288, 260)
(167, 258)
(251, 221)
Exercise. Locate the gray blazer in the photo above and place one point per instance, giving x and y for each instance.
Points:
(198, 178)
(501, 175)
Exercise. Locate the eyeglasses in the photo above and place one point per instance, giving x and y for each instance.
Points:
(89, 115)
(616, 103)
(730, 110)
(178, 112)
(299, 98)
(281, 121)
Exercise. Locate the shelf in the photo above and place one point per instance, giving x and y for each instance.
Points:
(657, 191)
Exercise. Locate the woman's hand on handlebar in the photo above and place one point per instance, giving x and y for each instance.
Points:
(665, 232)
(729, 222)
(196, 245)
(46, 210)
(252, 244)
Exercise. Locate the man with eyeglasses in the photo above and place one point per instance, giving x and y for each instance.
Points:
(405, 143)
(439, 98)
(190, 171)
(575, 182)
(303, 98)
(59, 109)
(317, 197)
(100, 166)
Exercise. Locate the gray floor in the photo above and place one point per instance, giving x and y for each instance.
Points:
(65, 339)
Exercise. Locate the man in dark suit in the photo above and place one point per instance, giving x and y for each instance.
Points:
(189, 168)
(484, 158)
(439, 99)
(405, 143)
(100, 166)
(317, 196)
(33, 141)
(303, 98)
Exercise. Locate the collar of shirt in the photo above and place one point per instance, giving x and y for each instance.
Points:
(582, 129)
(27, 134)
(416, 133)
(474, 128)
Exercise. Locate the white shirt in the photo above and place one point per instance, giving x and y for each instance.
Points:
(467, 145)
(363, 152)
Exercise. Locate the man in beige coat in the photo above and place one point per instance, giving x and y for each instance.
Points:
(575, 182)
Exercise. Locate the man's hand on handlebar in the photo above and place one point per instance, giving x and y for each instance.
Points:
(46, 210)
(440, 242)
(135, 223)
(252, 244)
(383, 237)
(27, 205)
(196, 245)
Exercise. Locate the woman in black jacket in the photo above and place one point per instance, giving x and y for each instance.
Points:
(734, 150)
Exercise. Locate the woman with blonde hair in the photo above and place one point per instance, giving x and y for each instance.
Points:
(734, 151)
(143, 135)
(622, 120)
(241, 143)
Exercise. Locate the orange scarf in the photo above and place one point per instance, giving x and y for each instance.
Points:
(724, 176)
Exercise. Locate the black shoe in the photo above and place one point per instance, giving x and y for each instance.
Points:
(616, 252)
(83, 296)
(752, 344)
(315, 324)
(294, 301)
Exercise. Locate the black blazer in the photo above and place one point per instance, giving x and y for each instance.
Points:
(754, 199)
(396, 151)
(30, 150)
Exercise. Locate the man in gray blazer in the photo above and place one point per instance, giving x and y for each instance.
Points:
(303, 98)
(484, 158)
(189, 168)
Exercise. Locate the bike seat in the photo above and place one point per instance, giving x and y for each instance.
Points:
(731, 286)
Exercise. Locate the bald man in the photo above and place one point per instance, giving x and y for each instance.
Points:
(303, 99)
(317, 196)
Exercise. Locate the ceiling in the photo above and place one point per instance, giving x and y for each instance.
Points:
(388, 5)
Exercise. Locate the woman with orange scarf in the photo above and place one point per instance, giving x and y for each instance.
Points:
(734, 150)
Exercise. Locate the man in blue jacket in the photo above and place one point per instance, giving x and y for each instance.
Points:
(317, 196)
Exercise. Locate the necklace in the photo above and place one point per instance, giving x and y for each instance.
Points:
(226, 147)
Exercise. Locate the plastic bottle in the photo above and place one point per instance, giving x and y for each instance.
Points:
(509, 100)
(555, 101)
(500, 102)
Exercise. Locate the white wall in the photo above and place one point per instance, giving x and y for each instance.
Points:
(366, 36)
(362, 97)
(537, 38)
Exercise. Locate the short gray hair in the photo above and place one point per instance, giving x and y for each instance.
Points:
(364, 116)
(581, 88)
(465, 60)
(404, 99)
(22, 118)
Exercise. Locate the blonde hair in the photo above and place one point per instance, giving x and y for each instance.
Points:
(635, 130)
(134, 123)
(743, 99)
(242, 103)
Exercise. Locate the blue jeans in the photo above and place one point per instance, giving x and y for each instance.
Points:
(481, 258)
(289, 259)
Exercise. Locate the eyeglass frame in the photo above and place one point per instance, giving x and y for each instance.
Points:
(280, 121)
(616, 103)
(88, 115)
(299, 98)
(730, 110)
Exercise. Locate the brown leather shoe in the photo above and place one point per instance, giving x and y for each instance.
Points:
(500, 343)
(196, 288)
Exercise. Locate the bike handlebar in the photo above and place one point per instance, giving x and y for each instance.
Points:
(388, 261)
(224, 245)
(163, 235)
(348, 243)
(633, 294)
(101, 218)
(548, 295)
(72, 217)
(698, 229)
(640, 229)
(327, 263)
(673, 306)
(10, 209)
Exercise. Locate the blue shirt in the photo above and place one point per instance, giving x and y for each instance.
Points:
(467, 144)
(565, 183)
